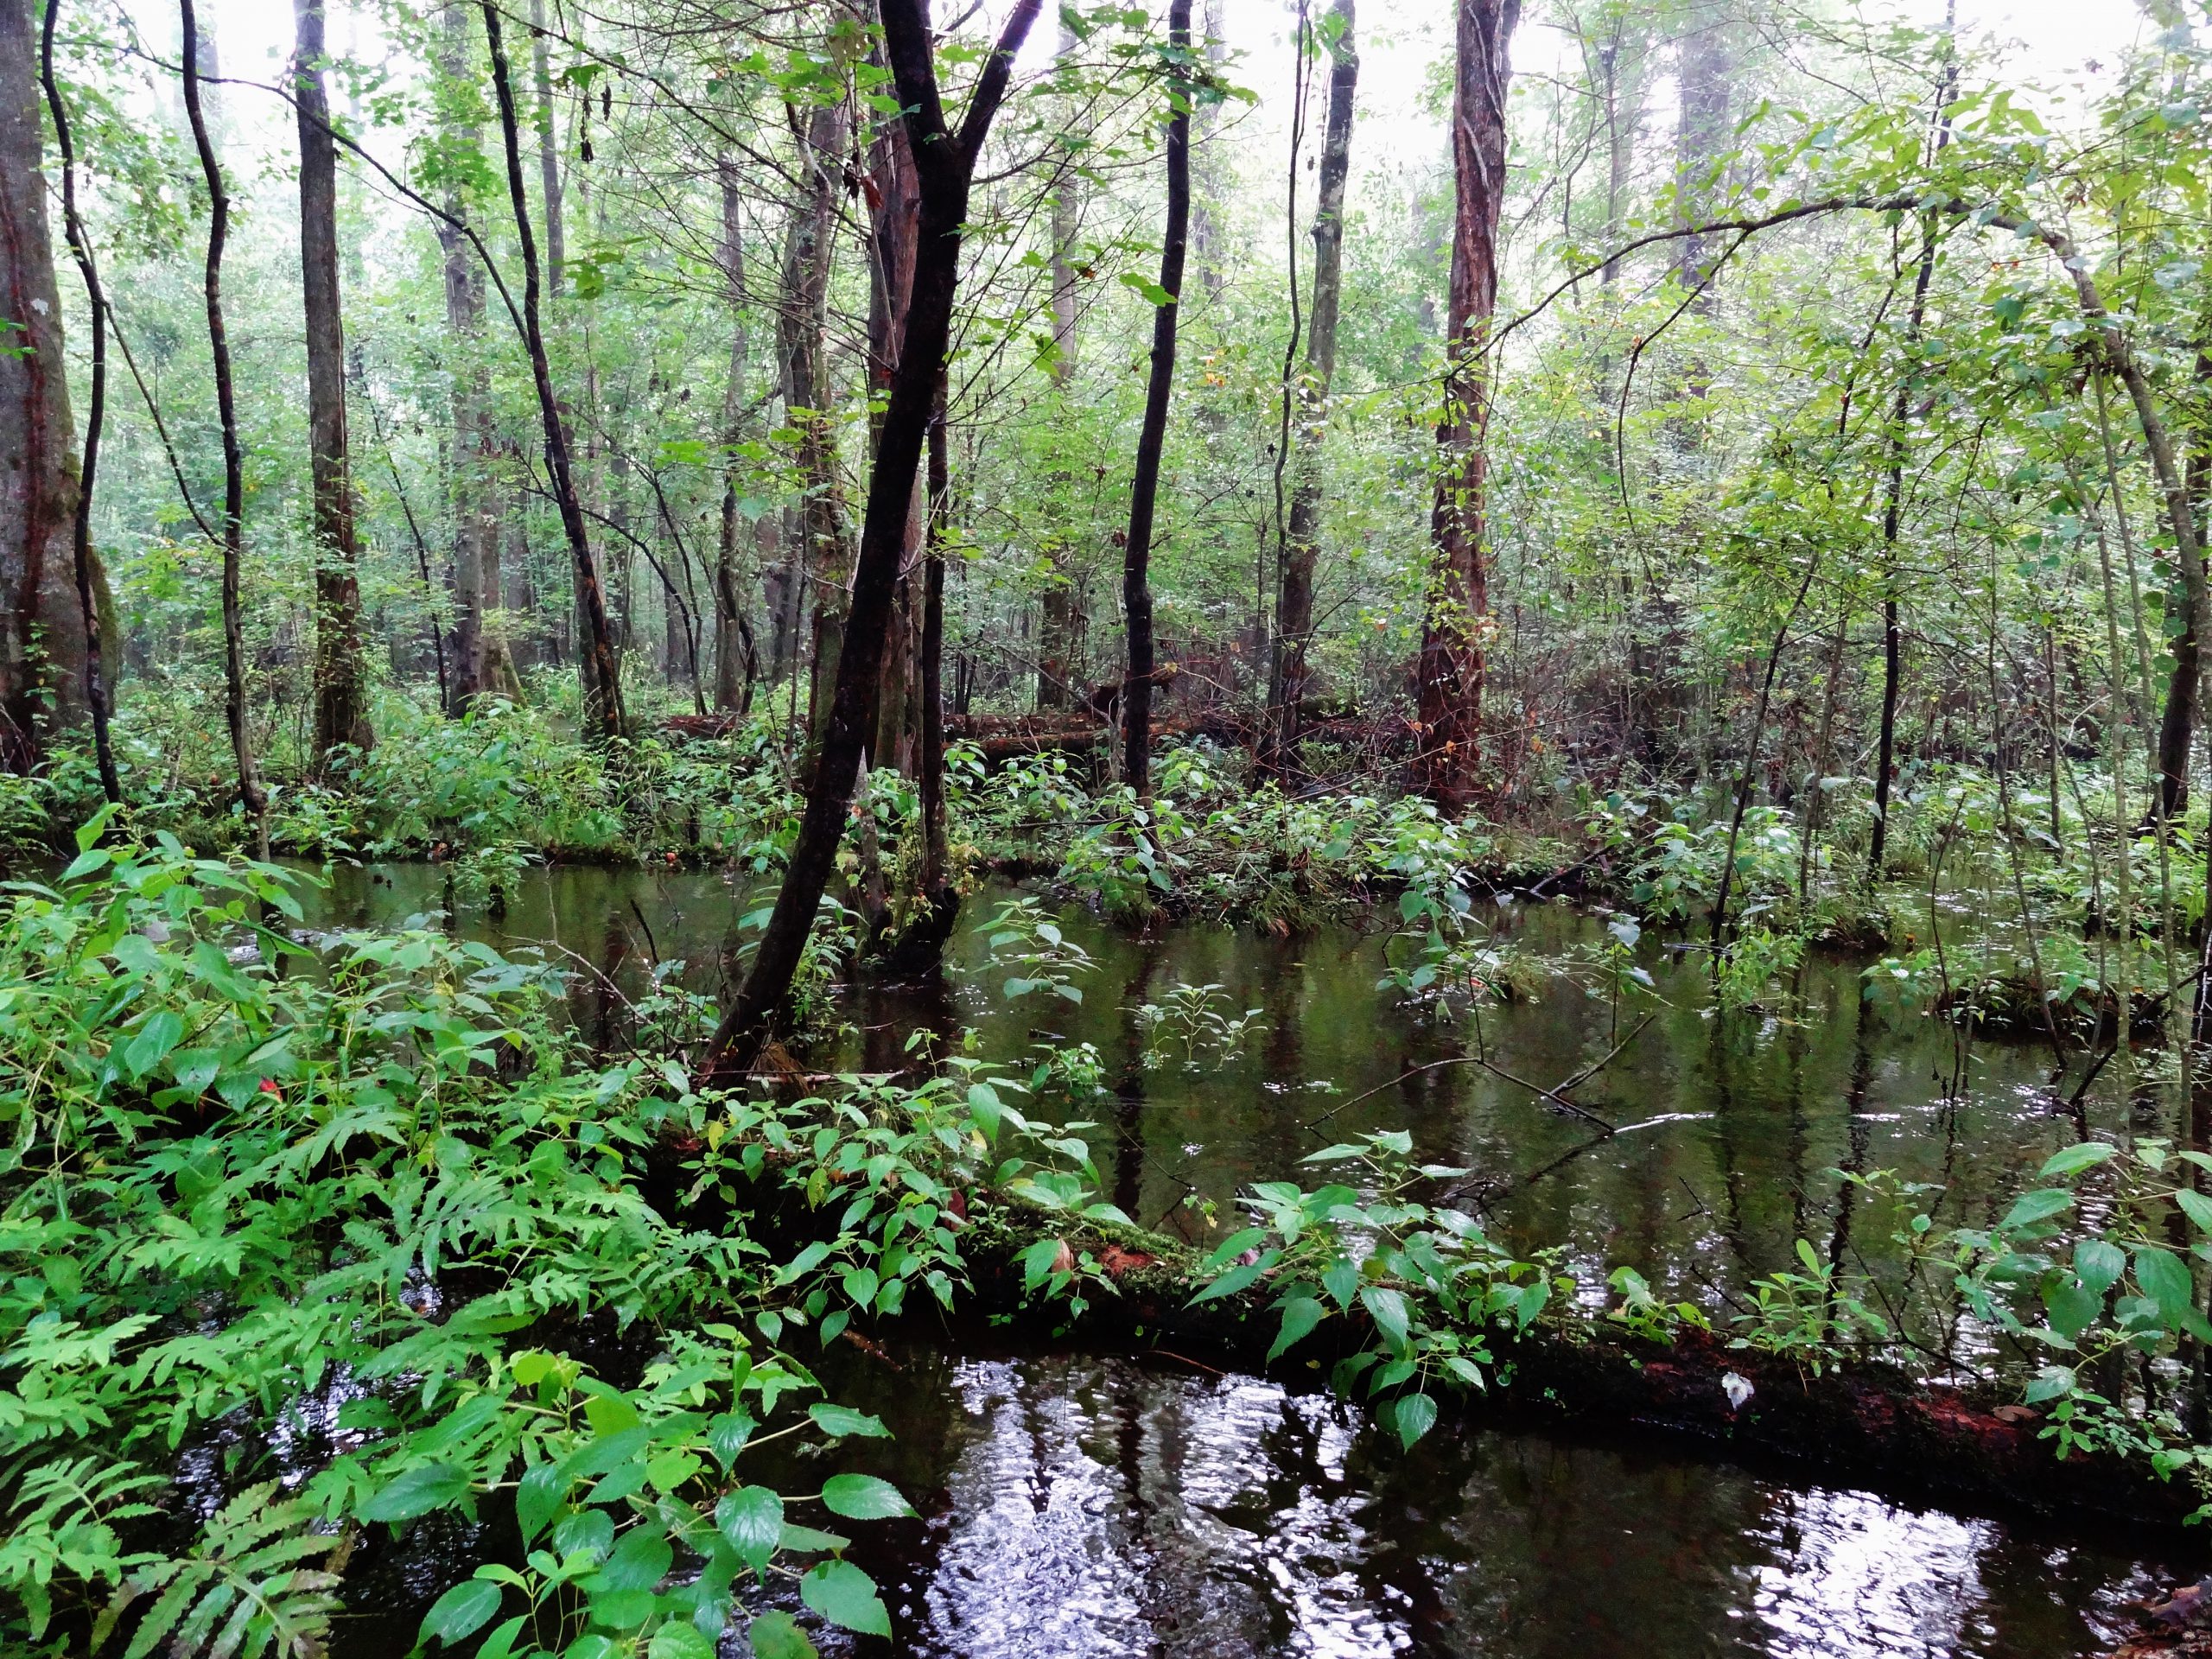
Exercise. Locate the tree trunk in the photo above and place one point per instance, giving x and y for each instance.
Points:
(475, 525)
(44, 655)
(1058, 627)
(251, 796)
(897, 222)
(1701, 134)
(1287, 687)
(1144, 491)
(736, 662)
(2177, 721)
(84, 565)
(945, 162)
(341, 713)
(549, 146)
(820, 555)
(603, 705)
(1450, 690)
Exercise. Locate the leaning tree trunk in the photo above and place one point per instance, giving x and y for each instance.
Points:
(43, 645)
(945, 162)
(1287, 687)
(475, 525)
(1144, 491)
(603, 707)
(341, 712)
(251, 794)
(2177, 721)
(1450, 690)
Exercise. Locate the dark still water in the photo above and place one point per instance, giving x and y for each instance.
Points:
(1078, 1505)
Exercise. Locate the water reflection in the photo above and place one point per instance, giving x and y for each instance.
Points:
(1080, 1506)
(1738, 1119)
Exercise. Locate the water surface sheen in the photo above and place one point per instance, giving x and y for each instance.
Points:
(1078, 1505)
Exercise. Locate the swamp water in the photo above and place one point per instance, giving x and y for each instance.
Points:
(1078, 1505)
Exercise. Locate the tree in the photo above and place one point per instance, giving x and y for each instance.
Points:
(736, 661)
(45, 651)
(1286, 684)
(603, 683)
(1449, 688)
(252, 797)
(478, 651)
(1144, 490)
(341, 712)
(944, 161)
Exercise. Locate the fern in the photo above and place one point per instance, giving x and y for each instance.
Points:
(242, 1592)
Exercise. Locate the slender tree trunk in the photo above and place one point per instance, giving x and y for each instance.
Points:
(603, 708)
(820, 555)
(84, 563)
(945, 162)
(1059, 621)
(1144, 491)
(736, 662)
(475, 525)
(937, 889)
(1623, 92)
(1450, 690)
(549, 146)
(1893, 512)
(1701, 134)
(2177, 721)
(1287, 687)
(341, 713)
(251, 796)
(1205, 230)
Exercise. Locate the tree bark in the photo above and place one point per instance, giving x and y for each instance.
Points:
(2177, 721)
(603, 705)
(736, 661)
(1447, 760)
(1287, 687)
(342, 714)
(1701, 134)
(84, 562)
(820, 554)
(1058, 622)
(1144, 491)
(549, 146)
(475, 525)
(251, 796)
(897, 219)
(945, 162)
(43, 654)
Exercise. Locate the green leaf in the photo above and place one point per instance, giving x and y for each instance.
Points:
(461, 1611)
(433, 1486)
(2197, 1207)
(1415, 1415)
(679, 1640)
(640, 1561)
(154, 1040)
(1300, 1315)
(863, 1497)
(752, 1518)
(2031, 1208)
(1153, 292)
(845, 1596)
(2165, 1278)
(2098, 1264)
(843, 1420)
(777, 1636)
(2072, 1160)
(538, 1499)
(1387, 1309)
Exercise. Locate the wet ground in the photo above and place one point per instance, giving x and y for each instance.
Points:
(1079, 1506)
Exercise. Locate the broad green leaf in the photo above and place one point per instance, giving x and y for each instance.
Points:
(538, 1499)
(1300, 1315)
(461, 1611)
(863, 1497)
(843, 1420)
(752, 1518)
(1387, 1309)
(433, 1486)
(1415, 1414)
(2072, 1160)
(845, 1596)
(2165, 1278)
(2030, 1208)
(776, 1635)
